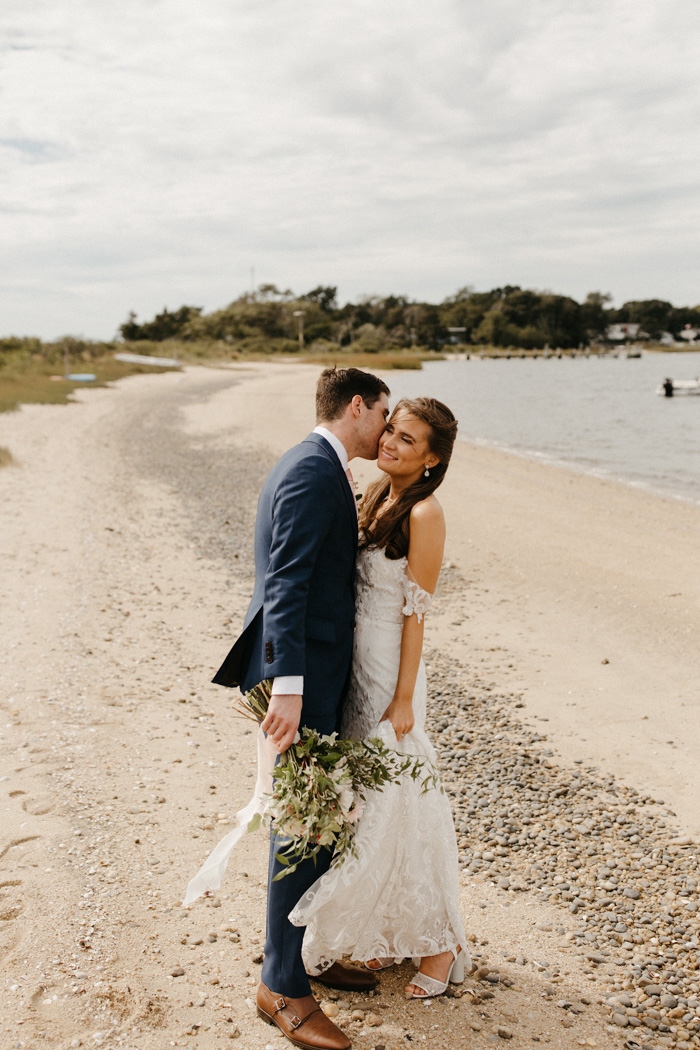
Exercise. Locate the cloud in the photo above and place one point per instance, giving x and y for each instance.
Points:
(152, 153)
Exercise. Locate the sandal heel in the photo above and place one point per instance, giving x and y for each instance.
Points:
(431, 986)
(457, 970)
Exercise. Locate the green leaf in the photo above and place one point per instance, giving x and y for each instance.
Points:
(281, 874)
(255, 822)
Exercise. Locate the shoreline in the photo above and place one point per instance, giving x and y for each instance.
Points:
(573, 467)
(129, 518)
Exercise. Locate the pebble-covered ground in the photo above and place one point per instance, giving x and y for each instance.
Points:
(603, 853)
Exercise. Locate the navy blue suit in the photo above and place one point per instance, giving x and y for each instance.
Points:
(299, 622)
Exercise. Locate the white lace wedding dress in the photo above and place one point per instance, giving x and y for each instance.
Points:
(398, 896)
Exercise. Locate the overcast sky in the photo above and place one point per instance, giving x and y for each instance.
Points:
(153, 152)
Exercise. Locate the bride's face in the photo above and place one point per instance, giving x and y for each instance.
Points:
(404, 452)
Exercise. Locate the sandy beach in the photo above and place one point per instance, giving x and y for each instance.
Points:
(564, 660)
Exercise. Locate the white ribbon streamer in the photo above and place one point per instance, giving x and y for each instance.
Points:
(209, 876)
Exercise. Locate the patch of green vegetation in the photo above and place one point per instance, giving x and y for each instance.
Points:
(382, 361)
(261, 348)
(663, 348)
(32, 371)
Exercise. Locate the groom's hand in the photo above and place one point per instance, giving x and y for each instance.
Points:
(282, 720)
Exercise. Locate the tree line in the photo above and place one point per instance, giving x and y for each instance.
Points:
(269, 319)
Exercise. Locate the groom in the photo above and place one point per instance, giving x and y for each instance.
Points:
(299, 631)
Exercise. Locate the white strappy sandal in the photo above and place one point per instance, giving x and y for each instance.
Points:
(431, 986)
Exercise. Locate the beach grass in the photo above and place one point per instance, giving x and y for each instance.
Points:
(382, 361)
(27, 380)
(329, 354)
(662, 348)
(6, 458)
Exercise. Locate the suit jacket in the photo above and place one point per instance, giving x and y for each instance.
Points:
(300, 618)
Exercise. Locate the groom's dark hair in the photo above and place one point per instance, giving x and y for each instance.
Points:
(338, 386)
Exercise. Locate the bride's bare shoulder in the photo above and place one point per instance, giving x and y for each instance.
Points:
(428, 512)
(426, 542)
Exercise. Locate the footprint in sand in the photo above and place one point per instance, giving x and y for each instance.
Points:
(10, 908)
(11, 896)
(43, 999)
(37, 807)
(16, 844)
(50, 1002)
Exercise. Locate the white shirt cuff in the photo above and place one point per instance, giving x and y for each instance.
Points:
(291, 685)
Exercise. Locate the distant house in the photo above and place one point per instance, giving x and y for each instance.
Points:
(620, 333)
(457, 335)
(689, 333)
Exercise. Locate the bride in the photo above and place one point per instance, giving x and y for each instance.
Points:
(398, 896)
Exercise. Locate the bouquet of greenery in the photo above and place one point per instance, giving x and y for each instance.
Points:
(320, 785)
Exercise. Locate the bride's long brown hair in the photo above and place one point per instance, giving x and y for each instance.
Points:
(390, 530)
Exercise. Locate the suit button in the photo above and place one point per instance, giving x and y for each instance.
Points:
(269, 652)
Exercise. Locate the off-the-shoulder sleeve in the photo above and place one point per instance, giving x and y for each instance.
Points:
(416, 600)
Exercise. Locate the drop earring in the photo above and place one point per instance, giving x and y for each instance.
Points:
(426, 473)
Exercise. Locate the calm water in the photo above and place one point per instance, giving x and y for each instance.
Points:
(600, 416)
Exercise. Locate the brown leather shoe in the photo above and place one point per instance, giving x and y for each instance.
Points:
(347, 978)
(301, 1020)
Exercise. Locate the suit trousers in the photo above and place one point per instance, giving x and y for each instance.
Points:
(283, 970)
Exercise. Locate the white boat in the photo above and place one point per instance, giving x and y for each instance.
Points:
(678, 387)
(145, 359)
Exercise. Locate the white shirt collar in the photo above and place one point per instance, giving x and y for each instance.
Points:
(336, 444)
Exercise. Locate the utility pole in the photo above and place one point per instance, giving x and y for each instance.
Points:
(299, 314)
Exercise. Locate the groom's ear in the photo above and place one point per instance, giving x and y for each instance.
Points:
(355, 406)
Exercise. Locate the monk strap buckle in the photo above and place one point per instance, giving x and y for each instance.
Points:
(281, 1004)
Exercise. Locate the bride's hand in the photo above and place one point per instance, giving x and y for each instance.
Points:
(400, 714)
